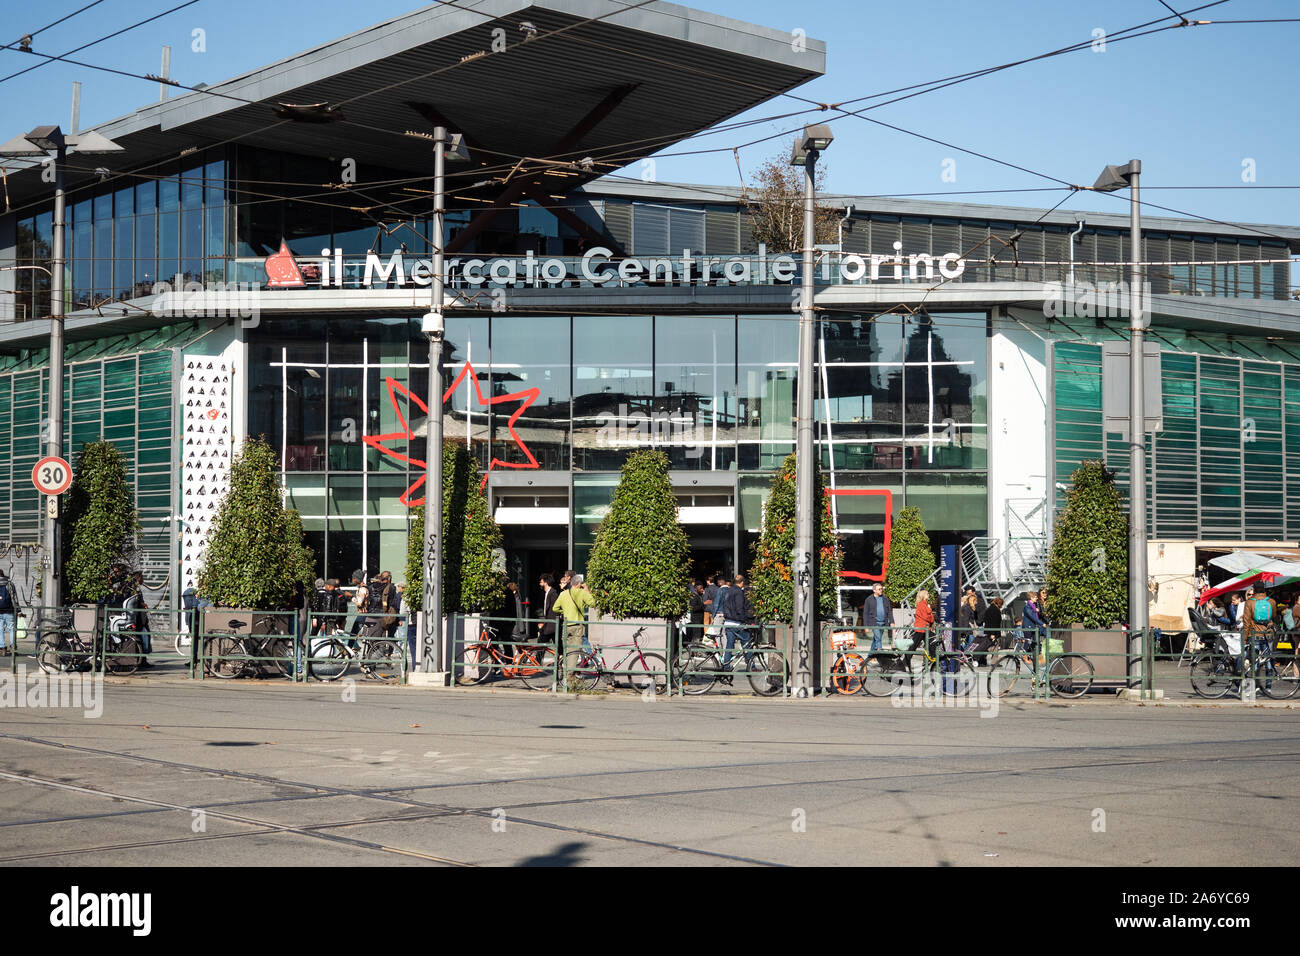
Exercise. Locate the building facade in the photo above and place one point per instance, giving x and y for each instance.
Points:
(243, 288)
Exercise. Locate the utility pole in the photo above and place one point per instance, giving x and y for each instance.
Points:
(434, 326)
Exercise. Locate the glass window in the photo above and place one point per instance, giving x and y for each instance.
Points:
(591, 497)
(191, 187)
(864, 381)
(768, 358)
(103, 256)
(613, 387)
(146, 250)
(215, 183)
(304, 416)
(946, 391)
(124, 247)
(347, 420)
(695, 407)
(532, 352)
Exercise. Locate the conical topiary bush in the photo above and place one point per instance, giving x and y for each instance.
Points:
(1087, 567)
(771, 577)
(640, 563)
(255, 553)
(911, 561)
(100, 521)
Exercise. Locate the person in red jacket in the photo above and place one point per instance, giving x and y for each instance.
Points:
(922, 620)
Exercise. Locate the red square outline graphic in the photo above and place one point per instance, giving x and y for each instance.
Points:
(889, 514)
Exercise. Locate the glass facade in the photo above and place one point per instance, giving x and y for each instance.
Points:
(576, 394)
(1226, 464)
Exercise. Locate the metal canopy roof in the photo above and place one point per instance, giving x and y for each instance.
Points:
(647, 77)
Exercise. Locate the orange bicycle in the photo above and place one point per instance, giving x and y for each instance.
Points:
(534, 664)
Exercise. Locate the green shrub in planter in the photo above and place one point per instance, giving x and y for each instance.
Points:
(910, 559)
(1087, 567)
(771, 577)
(470, 535)
(640, 563)
(100, 521)
(255, 552)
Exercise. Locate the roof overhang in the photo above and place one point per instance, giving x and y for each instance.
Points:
(673, 71)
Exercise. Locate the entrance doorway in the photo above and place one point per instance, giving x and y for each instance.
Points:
(530, 553)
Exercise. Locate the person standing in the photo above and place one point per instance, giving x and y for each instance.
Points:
(1236, 610)
(922, 621)
(696, 611)
(359, 598)
(322, 602)
(992, 621)
(518, 633)
(135, 588)
(572, 604)
(968, 621)
(546, 626)
(739, 615)
(877, 614)
(710, 594)
(1034, 624)
(8, 617)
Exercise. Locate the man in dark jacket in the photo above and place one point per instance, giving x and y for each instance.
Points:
(738, 613)
(877, 614)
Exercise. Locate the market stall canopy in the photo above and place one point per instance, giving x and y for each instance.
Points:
(1249, 567)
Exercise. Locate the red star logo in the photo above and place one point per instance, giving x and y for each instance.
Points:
(526, 398)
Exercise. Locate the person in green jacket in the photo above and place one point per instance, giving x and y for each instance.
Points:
(572, 605)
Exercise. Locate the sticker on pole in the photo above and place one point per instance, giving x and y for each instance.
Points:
(51, 476)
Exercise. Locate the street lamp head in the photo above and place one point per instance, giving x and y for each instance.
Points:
(456, 151)
(814, 139)
(1116, 177)
(46, 137)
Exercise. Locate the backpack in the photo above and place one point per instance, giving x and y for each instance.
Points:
(6, 600)
(1263, 611)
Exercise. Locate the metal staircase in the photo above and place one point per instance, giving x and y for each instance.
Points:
(1006, 568)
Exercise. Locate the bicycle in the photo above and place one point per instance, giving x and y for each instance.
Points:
(848, 670)
(586, 668)
(699, 665)
(230, 654)
(1219, 671)
(329, 659)
(1068, 676)
(534, 664)
(61, 649)
(885, 674)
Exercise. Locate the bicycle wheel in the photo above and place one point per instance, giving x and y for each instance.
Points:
(1003, 674)
(847, 673)
(696, 669)
(1070, 675)
(582, 671)
(960, 679)
(382, 661)
(49, 656)
(124, 657)
(184, 640)
(1212, 675)
(883, 674)
(1284, 680)
(281, 649)
(649, 670)
(220, 652)
(329, 660)
(537, 672)
(478, 659)
(766, 671)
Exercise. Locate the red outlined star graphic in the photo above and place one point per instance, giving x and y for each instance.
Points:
(525, 398)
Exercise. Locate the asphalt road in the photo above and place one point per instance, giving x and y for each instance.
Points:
(241, 773)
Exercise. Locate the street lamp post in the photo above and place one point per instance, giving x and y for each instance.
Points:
(810, 144)
(1111, 179)
(40, 143)
(433, 325)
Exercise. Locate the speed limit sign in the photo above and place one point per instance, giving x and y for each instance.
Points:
(51, 476)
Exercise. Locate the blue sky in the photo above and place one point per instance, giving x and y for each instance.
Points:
(1194, 103)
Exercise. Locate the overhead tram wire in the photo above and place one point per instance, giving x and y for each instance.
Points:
(35, 33)
(157, 16)
(678, 138)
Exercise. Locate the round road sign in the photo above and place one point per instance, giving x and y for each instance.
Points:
(51, 476)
